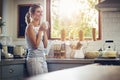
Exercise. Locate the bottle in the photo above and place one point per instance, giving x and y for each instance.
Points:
(63, 50)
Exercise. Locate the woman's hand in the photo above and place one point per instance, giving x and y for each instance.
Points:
(44, 26)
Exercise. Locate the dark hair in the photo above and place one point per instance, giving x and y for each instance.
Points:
(30, 12)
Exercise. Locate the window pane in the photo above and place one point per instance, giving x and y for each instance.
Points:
(73, 15)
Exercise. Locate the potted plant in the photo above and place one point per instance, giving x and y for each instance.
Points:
(1, 24)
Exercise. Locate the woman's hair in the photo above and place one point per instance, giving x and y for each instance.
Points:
(30, 12)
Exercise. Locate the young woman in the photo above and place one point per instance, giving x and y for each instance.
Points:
(36, 38)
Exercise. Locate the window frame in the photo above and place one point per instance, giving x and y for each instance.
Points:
(48, 18)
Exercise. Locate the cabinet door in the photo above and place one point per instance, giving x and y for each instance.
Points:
(12, 70)
(55, 66)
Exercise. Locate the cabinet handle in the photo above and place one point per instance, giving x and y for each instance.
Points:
(11, 70)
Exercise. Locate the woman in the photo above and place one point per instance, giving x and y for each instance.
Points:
(36, 38)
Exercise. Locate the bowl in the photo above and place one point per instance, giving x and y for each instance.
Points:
(91, 54)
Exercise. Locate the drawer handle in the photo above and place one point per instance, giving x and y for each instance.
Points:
(11, 70)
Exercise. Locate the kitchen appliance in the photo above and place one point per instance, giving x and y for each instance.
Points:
(19, 51)
(109, 50)
(5, 53)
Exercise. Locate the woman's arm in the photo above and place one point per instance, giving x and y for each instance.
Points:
(45, 39)
(35, 40)
(44, 27)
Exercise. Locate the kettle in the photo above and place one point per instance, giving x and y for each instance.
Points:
(109, 44)
(109, 49)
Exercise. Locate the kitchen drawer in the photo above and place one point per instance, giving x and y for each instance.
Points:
(12, 70)
(54, 67)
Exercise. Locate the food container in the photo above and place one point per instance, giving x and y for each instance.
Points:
(92, 54)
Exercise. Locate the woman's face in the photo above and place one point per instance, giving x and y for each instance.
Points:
(38, 14)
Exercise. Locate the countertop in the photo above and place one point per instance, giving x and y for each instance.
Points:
(89, 72)
(78, 60)
(12, 61)
(54, 60)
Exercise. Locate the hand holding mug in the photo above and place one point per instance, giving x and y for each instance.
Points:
(44, 26)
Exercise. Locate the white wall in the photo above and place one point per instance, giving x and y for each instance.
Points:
(111, 27)
(110, 30)
(11, 16)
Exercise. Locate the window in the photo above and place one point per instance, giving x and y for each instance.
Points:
(73, 16)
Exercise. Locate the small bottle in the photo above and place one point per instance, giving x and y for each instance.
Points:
(63, 50)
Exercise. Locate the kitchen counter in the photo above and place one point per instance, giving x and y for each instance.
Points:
(54, 60)
(60, 64)
(12, 61)
(12, 69)
(89, 72)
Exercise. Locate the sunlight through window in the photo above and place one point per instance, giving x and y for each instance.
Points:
(73, 16)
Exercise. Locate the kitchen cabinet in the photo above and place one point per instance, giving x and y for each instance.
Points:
(55, 67)
(60, 64)
(89, 72)
(12, 69)
(13, 72)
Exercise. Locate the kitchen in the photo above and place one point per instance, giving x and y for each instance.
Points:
(15, 69)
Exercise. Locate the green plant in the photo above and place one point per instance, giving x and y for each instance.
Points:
(1, 22)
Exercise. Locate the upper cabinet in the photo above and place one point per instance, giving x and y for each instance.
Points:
(109, 5)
